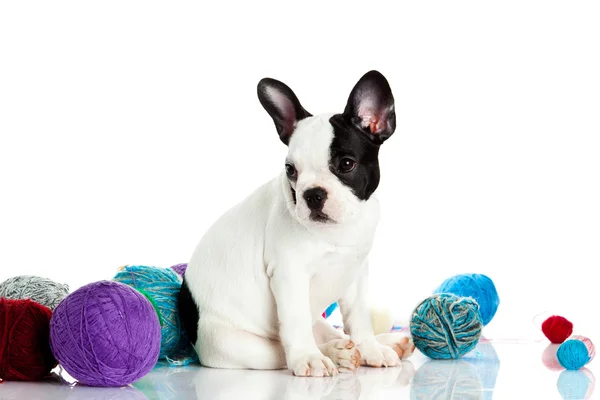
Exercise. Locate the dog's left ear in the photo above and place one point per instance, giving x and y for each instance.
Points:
(371, 107)
(282, 105)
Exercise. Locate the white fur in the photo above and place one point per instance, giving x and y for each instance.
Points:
(264, 272)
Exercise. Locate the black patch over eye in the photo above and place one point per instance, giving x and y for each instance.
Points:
(346, 164)
(351, 142)
(291, 171)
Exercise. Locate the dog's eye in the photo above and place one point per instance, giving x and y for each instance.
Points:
(346, 165)
(290, 171)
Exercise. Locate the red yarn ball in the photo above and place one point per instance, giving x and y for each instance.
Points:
(557, 329)
(25, 353)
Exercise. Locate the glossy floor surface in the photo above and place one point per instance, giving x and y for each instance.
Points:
(494, 370)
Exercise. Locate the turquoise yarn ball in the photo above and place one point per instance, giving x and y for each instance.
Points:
(163, 286)
(477, 286)
(574, 354)
(445, 326)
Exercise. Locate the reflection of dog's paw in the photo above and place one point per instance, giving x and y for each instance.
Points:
(308, 388)
(377, 355)
(399, 342)
(343, 353)
(314, 365)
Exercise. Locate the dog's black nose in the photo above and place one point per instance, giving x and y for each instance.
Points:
(315, 198)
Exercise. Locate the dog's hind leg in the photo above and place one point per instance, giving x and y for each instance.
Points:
(221, 345)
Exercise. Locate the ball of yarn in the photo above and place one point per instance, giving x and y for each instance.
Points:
(381, 320)
(557, 329)
(574, 385)
(105, 334)
(163, 286)
(575, 352)
(24, 340)
(180, 269)
(329, 310)
(41, 290)
(445, 326)
(477, 286)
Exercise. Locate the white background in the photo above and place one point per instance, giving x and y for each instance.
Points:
(127, 128)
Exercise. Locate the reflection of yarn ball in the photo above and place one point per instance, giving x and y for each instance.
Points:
(557, 329)
(440, 380)
(41, 290)
(487, 364)
(105, 334)
(575, 352)
(445, 326)
(549, 358)
(79, 392)
(477, 286)
(180, 269)
(576, 384)
(24, 347)
(163, 286)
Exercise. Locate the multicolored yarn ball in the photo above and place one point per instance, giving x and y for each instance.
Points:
(575, 352)
(477, 286)
(180, 269)
(41, 290)
(557, 329)
(576, 385)
(105, 334)
(24, 340)
(445, 326)
(162, 285)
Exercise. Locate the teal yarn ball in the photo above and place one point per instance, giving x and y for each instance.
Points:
(576, 352)
(477, 286)
(445, 326)
(162, 285)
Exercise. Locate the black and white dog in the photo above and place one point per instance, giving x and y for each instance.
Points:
(260, 278)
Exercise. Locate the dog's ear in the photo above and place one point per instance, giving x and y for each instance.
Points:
(282, 105)
(371, 107)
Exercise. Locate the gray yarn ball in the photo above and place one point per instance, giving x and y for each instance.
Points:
(41, 290)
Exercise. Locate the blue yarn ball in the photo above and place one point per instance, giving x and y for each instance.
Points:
(163, 286)
(330, 309)
(573, 354)
(445, 326)
(477, 286)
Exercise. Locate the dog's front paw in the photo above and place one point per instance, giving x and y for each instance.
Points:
(377, 355)
(313, 365)
(343, 353)
(402, 344)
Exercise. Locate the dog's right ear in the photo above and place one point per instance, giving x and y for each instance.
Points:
(282, 105)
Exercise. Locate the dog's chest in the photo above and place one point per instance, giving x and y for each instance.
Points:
(333, 274)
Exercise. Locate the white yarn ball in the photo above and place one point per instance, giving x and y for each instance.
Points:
(381, 319)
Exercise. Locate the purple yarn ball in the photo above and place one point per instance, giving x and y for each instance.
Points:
(105, 334)
(179, 269)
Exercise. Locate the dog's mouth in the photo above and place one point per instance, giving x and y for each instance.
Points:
(320, 216)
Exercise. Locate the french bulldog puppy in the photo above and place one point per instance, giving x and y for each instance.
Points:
(258, 282)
